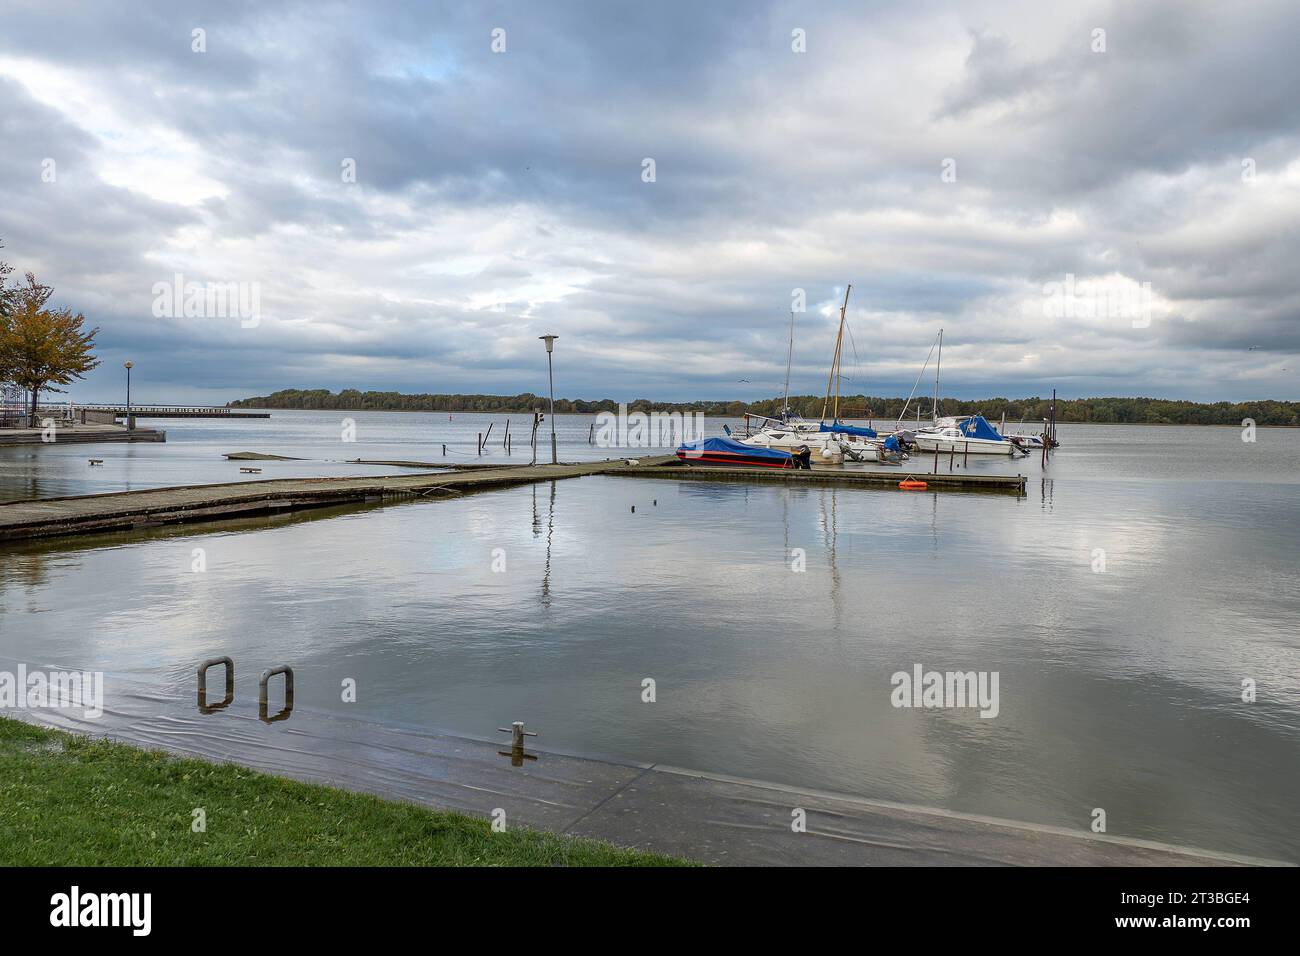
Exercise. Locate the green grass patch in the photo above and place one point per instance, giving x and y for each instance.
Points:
(71, 801)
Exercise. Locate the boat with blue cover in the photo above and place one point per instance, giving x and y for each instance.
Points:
(725, 451)
(972, 434)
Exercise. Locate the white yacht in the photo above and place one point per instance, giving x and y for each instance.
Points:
(972, 435)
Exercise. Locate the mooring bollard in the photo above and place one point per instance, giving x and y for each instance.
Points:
(203, 684)
(262, 708)
(516, 751)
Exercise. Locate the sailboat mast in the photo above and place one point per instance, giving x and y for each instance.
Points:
(835, 362)
(937, 362)
(789, 360)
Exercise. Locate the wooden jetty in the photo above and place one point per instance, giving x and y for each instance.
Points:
(122, 511)
(878, 477)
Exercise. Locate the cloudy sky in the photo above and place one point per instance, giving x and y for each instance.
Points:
(955, 162)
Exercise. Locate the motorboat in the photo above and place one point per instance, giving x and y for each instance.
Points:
(727, 451)
(973, 435)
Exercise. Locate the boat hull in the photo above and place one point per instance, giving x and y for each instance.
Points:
(727, 458)
(976, 446)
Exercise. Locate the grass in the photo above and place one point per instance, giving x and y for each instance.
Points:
(71, 801)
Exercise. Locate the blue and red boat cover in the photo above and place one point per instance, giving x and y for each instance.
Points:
(726, 448)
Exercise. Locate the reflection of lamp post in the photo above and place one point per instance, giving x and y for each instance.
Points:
(550, 374)
(128, 366)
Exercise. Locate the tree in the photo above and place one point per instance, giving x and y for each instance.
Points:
(42, 348)
(7, 295)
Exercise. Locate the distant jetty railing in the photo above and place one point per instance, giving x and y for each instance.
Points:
(174, 411)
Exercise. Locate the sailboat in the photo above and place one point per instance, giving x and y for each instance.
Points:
(969, 434)
(789, 432)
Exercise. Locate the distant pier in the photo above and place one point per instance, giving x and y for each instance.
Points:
(175, 411)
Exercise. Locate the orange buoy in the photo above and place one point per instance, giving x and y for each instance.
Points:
(913, 485)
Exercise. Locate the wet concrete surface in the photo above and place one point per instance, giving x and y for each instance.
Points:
(713, 819)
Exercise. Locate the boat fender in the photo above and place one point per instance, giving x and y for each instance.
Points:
(912, 485)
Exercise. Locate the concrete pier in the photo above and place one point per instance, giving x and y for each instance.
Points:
(79, 434)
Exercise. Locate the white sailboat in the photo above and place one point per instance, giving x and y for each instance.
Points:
(971, 434)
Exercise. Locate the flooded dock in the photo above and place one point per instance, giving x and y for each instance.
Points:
(122, 511)
(88, 433)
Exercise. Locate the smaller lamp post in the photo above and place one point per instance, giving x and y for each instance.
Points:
(128, 366)
(550, 375)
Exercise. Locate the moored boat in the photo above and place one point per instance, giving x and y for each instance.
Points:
(726, 451)
(972, 435)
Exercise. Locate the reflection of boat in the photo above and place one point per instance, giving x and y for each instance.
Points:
(973, 434)
(726, 451)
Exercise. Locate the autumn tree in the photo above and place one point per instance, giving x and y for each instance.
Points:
(42, 348)
(7, 293)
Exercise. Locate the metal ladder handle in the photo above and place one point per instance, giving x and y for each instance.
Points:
(267, 674)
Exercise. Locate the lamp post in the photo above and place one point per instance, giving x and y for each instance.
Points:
(550, 375)
(128, 366)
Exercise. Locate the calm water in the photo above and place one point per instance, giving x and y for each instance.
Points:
(1119, 690)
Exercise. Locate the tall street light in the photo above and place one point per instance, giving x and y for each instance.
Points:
(128, 366)
(550, 374)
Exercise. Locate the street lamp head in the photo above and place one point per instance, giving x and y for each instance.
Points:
(550, 341)
(128, 365)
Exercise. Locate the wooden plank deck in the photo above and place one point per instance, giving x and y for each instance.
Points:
(879, 477)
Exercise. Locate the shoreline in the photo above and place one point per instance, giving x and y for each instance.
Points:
(670, 813)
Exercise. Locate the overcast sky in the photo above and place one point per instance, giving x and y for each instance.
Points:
(954, 162)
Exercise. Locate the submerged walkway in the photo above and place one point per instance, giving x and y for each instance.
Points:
(89, 514)
(79, 434)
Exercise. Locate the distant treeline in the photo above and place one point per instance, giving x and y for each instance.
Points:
(1157, 411)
